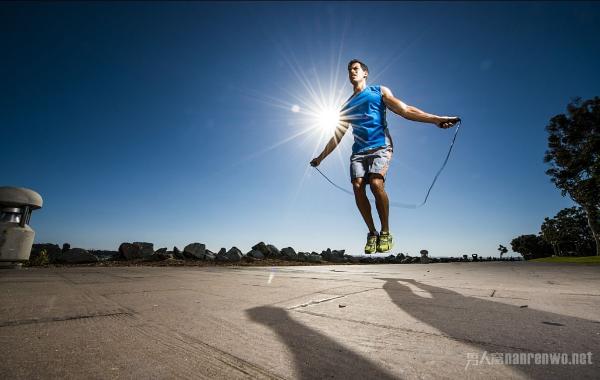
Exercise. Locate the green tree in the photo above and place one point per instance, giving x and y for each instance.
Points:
(550, 232)
(569, 233)
(574, 157)
(531, 246)
(502, 249)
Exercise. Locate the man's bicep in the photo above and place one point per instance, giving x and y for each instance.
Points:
(393, 103)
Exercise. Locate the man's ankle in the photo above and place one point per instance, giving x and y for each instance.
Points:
(384, 233)
(373, 233)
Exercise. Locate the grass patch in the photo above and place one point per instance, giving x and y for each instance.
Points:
(576, 260)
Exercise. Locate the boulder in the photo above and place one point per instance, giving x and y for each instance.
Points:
(273, 251)
(194, 251)
(262, 247)
(160, 255)
(104, 255)
(66, 247)
(256, 254)
(391, 259)
(289, 253)
(333, 256)
(406, 260)
(351, 259)
(136, 250)
(206, 256)
(147, 249)
(75, 256)
(177, 254)
(314, 258)
(129, 252)
(234, 255)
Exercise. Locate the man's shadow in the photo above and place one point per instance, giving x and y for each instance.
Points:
(316, 355)
(501, 328)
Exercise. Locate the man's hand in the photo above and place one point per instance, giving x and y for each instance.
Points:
(446, 122)
(315, 162)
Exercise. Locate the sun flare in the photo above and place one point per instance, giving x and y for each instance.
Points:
(328, 119)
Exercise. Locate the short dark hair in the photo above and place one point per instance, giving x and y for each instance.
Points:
(364, 67)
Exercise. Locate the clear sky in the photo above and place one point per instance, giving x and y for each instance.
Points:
(174, 123)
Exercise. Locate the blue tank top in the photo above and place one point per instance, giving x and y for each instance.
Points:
(365, 112)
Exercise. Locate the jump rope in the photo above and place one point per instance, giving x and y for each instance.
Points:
(405, 205)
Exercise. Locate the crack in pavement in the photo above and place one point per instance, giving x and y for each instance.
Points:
(328, 299)
(58, 319)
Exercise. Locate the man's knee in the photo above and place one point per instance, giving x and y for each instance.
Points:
(358, 185)
(376, 182)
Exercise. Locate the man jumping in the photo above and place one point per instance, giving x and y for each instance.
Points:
(372, 150)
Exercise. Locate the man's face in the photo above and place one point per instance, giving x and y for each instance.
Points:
(356, 73)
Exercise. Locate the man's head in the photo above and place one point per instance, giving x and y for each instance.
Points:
(357, 71)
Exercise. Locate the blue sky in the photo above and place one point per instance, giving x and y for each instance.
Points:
(172, 122)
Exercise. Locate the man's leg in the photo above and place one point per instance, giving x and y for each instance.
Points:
(362, 202)
(382, 202)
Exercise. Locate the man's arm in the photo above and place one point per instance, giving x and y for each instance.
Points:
(413, 113)
(340, 131)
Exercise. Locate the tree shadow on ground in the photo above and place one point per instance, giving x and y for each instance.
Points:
(496, 327)
(316, 355)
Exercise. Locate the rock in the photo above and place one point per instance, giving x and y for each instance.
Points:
(406, 260)
(391, 259)
(177, 254)
(105, 255)
(289, 253)
(262, 247)
(147, 249)
(66, 247)
(273, 251)
(160, 255)
(129, 252)
(194, 251)
(209, 256)
(75, 256)
(136, 250)
(333, 256)
(400, 256)
(365, 259)
(234, 254)
(51, 251)
(314, 258)
(351, 259)
(255, 254)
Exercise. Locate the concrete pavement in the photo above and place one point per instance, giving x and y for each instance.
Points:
(340, 321)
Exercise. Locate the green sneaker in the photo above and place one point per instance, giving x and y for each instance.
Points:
(385, 242)
(371, 245)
